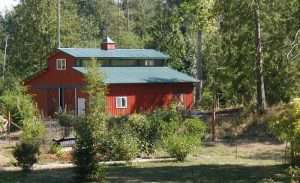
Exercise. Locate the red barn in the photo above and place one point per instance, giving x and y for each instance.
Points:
(137, 80)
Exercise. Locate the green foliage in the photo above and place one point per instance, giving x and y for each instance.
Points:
(26, 154)
(126, 147)
(90, 129)
(172, 27)
(144, 133)
(294, 174)
(145, 130)
(66, 119)
(33, 131)
(185, 138)
(165, 121)
(286, 126)
(180, 145)
(195, 127)
(16, 100)
(119, 144)
(55, 149)
(85, 153)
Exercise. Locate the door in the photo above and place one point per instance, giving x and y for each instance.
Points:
(81, 106)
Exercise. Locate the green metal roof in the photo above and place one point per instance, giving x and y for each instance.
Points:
(119, 54)
(122, 75)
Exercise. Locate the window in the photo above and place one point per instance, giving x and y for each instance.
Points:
(61, 64)
(149, 63)
(121, 102)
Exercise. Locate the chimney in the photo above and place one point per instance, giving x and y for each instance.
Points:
(108, 44)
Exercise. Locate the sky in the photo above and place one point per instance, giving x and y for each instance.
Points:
(7, 5)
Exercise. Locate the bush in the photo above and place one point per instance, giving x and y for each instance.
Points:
(180, 145)
(67, 121)
(285, 125)
(145, 131)
(56, 149)
(119, 145)
(294, 174)
(26, 154)
(97, 175)
(84, 152)
(163, 122)
(195, 127)
(183, 138)
(125, 147)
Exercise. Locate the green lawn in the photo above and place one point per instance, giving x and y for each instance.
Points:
(255, 163)
(161, 172)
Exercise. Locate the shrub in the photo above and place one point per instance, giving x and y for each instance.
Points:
(125, 147)
(145, 132)
(26, 154)
(195, 126)
(27, 151)
(164, 122)
(97, 174)
(286, 126)
(119, 145)
(180, 145)
(294, 174)
(56, 149)
(183, 138)
(85, 152)
(67, 121)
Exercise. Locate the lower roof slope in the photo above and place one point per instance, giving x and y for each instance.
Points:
(122, 75)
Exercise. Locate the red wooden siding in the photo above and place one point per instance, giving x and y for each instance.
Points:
(141, 97)
(146, 97)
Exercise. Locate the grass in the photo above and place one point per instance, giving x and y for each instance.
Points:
(255, 162)
(161, 172)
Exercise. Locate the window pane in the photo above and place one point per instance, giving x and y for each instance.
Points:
(119, 102)
(123, 102)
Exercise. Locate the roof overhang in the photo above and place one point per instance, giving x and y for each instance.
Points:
(140, 75)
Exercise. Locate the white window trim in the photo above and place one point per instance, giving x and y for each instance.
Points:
(62, 60)
(120, 98)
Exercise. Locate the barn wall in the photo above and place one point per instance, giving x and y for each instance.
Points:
(44, 85)
(141, 97)
(146, 97)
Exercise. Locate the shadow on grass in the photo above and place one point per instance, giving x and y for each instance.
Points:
(176, 173)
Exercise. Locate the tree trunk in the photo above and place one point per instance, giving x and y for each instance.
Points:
(199, 70)
(260, 86)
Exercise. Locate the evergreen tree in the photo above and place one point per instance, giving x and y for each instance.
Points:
(91, 128)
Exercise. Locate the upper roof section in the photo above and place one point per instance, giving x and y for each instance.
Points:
(123, 75)
(115, 54)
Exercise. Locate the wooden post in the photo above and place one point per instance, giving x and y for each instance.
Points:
(8, 127)
(213, 122)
